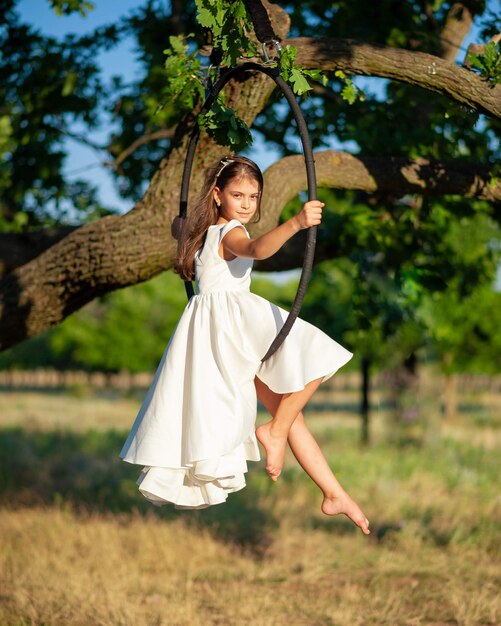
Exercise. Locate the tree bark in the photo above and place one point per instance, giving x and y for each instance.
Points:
(397, 175)
(115, 251)
(457, 26)
(118, 251)
(416, 68)
(287, 177)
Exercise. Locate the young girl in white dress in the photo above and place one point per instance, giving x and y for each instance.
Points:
(195, 431)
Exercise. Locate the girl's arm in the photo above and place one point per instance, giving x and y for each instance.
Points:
(237, 243)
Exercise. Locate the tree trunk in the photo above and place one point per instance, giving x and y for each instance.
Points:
(115, 251)
(286, 178)
(407, 419)
(365, 408)
(450, 389)
(450, 396)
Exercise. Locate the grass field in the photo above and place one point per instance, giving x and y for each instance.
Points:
(81, 547)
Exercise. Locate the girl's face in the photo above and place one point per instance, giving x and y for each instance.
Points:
(239, 200)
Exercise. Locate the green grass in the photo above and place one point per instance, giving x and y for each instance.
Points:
(81, 546)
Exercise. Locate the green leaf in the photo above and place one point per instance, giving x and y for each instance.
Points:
(177, 45)
(475, 60)
(69, 84)
(299, 83)
(490, 54)
(240, 12)
(222, 125)
(67, 7)
(220, 15)
(229, 23)
(206, 19)
(488, 64)
(349, 93)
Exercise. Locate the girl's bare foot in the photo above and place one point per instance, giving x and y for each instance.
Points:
(275, 449)
(342, 503)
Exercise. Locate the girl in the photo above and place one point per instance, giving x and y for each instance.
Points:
(195, 430)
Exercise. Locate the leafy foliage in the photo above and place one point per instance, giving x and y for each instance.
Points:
(66, 7)
(350, 92)
(184, 75)
(45, 85)
(225, 127)
(464, 330)
(489, 63)
(384, 299)
(296, 75)
(230, 26)
(397, 251)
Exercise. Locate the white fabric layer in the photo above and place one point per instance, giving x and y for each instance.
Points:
(194, 432)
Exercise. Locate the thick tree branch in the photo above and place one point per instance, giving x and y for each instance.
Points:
(339, 170)
(117, 251)
(416, 68)
(335, 170)
(396, 175)
(18, 248)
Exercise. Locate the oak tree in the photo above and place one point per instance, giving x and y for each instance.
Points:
(420, 151)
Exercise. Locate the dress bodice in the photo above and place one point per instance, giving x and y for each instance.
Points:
(212, 273)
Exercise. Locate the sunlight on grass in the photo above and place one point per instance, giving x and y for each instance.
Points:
(80, 546)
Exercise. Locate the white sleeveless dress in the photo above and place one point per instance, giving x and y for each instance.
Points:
(195, 432)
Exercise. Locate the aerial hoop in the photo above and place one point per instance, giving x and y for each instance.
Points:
(274, 74)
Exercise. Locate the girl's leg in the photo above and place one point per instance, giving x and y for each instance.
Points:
(310, 457)
(273, 435)
(312, 460)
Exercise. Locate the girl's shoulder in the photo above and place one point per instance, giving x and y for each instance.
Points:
(214, 237)
(227, 226)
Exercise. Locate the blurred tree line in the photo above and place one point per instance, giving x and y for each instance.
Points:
(398, 270)
(127, 329)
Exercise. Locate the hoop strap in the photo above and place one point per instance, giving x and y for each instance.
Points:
(262, 25)
(216, 56)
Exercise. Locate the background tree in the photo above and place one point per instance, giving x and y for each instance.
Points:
(428, 109)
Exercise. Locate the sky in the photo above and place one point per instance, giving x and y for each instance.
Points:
(82, 161)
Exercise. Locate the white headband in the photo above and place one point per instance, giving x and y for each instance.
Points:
(225, 161)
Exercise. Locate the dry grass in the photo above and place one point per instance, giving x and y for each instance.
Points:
(60, 568)
(78, 411)
(267, 557)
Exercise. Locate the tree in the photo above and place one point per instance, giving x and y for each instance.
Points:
(126, 329)
(420, 139)
(463, 320)
(388, 307)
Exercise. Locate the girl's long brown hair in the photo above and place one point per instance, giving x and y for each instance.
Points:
(205, 213)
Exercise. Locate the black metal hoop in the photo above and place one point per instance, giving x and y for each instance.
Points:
(274, 74)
